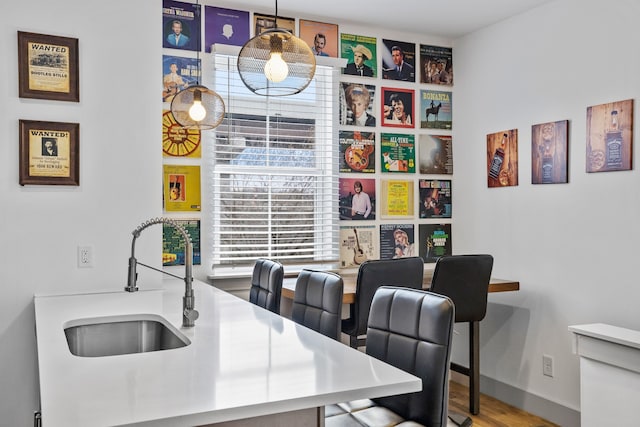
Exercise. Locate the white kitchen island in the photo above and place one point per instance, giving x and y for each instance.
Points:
(242, 363)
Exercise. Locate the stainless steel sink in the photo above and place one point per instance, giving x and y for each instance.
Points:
(114, 335)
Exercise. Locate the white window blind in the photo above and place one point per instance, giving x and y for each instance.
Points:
(273, 172)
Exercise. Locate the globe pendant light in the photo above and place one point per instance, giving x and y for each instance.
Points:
(276, 63)
(198, 107)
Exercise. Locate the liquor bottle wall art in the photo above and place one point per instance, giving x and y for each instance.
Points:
(502, 158)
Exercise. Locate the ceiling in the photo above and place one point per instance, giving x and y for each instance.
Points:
(446, 18)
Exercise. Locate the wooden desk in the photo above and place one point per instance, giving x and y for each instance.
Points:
(349, 297)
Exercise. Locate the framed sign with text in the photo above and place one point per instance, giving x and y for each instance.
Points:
(49, 153)
(48, 67)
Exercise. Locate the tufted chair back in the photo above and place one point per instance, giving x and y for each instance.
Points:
(317, 302)
(266, 284)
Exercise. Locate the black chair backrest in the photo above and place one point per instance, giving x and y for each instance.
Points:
(266, 284)
(317, 302)
(406, 272)
(412, 330)
(464, 279)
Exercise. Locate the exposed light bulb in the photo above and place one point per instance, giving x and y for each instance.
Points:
(197, 112)
(276, 70)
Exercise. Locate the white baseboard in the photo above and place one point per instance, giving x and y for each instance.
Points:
(550, 411)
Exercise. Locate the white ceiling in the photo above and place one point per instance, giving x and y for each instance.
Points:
(447, 18)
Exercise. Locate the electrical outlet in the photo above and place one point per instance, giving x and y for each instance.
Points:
(547, 365)
(85, 256)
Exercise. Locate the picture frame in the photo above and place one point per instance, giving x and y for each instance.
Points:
(48, 67)
(397, 107)
(49, 153)
(610, 137)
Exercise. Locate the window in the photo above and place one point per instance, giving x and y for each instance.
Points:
(272, 173)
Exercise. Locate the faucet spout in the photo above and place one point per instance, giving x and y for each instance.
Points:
(189, 313)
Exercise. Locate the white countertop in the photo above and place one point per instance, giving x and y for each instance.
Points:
(242, 362)
(611, 333)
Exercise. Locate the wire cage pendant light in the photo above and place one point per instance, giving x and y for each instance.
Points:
(276, 63)
(198, 107)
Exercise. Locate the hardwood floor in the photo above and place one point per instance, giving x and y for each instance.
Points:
(493, 413)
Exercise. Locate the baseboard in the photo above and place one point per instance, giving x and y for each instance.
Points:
(550, 411)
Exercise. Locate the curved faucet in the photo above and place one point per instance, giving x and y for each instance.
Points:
(189, 313)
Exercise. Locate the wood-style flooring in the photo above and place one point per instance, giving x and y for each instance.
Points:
(493, 413)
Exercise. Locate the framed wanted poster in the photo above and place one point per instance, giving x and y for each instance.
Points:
(48, 67)
(49, 153)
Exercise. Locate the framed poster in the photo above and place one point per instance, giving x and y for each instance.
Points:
(48, 67)
(49, 153)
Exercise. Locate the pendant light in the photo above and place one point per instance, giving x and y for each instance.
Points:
(276, 63)
(198, 107)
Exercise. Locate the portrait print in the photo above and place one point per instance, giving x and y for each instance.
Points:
(397, 107)
(181, 25)
(356, 104)
(398, 60)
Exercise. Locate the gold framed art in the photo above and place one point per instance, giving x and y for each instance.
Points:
(48, 67)
(49, 153)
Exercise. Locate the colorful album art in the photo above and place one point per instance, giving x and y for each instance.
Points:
(178, 73)
(435, 198)
(225, 26)
(321, 37)
(173, 245)
(358, 243)
(360, 53)
(356, 104)
(436, 65)
(435, 241)
(180, 25)
(397, 107)
(436, 110)
(178, 141)
(397, 198)
(357, 151)
(435, 154)
(398, 153)
(181, 186)
(398, 60)
(397, 241)
(357, 198)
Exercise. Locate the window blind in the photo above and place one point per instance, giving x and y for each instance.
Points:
(273, 172)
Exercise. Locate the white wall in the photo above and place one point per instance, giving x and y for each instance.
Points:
(120, 171)
(572, 246)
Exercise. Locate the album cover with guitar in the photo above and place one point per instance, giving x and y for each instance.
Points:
(357, 245)
(357, 151)
(178, 73)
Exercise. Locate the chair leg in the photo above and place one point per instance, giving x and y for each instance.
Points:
(474, 367)
(353, 341)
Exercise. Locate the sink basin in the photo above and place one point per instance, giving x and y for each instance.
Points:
(114, 335)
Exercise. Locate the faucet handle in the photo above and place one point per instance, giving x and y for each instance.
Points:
(190, 314)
